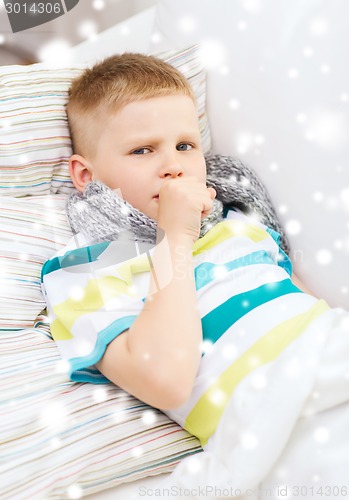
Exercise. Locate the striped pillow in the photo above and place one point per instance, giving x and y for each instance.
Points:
(32, 229)
(88, 438)
(35, 136)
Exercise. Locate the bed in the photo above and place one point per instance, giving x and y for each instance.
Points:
(274, 92)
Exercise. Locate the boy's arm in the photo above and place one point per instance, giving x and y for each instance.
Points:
(300, 284)
(157, 359)
(159, 356)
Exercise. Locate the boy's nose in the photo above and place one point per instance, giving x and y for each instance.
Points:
(171, 169)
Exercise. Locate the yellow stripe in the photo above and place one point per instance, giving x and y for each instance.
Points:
(203, 419)
(96, 294)
(98, 291)
(228, 229)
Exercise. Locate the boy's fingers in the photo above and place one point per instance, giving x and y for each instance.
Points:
(213, 192)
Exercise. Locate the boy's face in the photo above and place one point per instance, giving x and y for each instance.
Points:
(142, 145)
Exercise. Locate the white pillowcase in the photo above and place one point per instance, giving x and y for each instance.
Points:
(278, 98)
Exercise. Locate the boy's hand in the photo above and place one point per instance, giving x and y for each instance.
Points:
(183, 202)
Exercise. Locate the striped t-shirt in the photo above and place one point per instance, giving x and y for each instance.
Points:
(250, 309)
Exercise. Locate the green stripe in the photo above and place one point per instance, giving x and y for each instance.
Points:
(217, 321)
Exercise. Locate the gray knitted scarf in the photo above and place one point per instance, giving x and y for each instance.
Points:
(103, 215)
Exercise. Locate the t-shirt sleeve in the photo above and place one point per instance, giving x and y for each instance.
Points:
(282, 258)
(92, 297)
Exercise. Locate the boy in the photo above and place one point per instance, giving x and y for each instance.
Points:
(134, 126)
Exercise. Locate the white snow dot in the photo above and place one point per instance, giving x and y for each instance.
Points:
(244, 181)
(316, 478)
(259, 381)
(100, 394)
(274, 166)
(328, 128)
(187, 24)
(318, 196)
(293, 73)
(301, 117)
(62, 366)
(125, 30)
(149, 417)
(55, 443)
(293, 227)
(310, 136)
(133, 289)
(220, 272)
(218, 397)
(259, 139)
(206, 346)
(244, 142)
(137, 451)
(344, 97)
(252, 6)
(98, 4)
(76, 292)
(321, 435)
(344, 324)
(212, 53)
(344, 197)
(74, 491)
(224, 70)
(5, 123)
(234, 104)
(318, 27)
(156, 37)
(229, 351)
(55, 53)
(308, 51)
(88, 29)
(242, 25)
(249, 440)
(323, 257)
(53, 415)
(193, 465)
(324, 68)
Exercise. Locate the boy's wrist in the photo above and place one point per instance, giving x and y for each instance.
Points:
(174, 238)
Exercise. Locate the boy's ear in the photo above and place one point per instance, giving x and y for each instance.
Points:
(80, 171)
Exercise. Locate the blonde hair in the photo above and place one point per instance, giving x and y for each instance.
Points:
(111, 84)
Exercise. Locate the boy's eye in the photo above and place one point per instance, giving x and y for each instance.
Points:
(184, 147)
(140, 151)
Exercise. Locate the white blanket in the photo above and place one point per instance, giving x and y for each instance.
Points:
(285, 431)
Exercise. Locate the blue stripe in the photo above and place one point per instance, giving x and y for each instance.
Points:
(217, 321)
(78, 371)
(82, 255)
(207, 272)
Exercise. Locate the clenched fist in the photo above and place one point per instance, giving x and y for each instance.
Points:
(183, 202)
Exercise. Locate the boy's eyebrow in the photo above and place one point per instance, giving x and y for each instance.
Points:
(143, 139)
